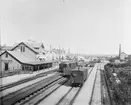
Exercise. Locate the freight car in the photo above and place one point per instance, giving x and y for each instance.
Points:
(91, 64)
(66, 67)
(78, 76)
(83, 64)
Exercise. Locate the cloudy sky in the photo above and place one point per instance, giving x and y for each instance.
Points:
(84, 26)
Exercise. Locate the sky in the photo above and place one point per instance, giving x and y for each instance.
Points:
(84, 26)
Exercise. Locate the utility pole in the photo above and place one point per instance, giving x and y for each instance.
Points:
(0, 52)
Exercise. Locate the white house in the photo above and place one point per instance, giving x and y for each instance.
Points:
(123, 56)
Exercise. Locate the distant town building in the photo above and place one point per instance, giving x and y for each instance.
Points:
(5, 48)
(129, 57)
(123, 56)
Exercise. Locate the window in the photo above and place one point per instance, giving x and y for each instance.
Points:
(22, 49)
(6, 55)
(6, 66)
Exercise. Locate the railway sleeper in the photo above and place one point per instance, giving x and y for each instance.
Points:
(18, 95)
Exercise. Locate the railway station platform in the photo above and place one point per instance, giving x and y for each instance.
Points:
(85, 94)
(15, 78)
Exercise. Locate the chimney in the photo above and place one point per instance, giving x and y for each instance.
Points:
(119, 50)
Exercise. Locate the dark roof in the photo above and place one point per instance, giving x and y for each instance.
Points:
(39, 62)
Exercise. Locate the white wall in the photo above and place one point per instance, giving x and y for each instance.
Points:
(13, 65)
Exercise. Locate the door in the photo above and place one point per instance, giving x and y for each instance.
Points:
(6, 66)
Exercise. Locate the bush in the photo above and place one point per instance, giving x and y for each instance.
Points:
(121, 93)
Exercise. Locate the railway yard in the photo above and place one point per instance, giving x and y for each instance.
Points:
(65, 52)
(49, 87)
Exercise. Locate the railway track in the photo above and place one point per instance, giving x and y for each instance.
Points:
(35, 93)
(26, 80)
(16, 96)
(42, 94)
(38, 96)
(70, 96)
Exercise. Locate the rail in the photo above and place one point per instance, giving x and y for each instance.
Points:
(39, 95)
(71, 95)
(25, 80)
(20, 94)
(91, 99)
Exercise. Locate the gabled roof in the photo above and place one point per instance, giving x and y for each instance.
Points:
(123, 53)
(32, 47)
(21, 58)
(18, 56)
(35, 44)
(27, 45)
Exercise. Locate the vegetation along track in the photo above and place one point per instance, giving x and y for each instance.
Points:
(26, 80)
(104, 90)
(107, 88)
(22, 93)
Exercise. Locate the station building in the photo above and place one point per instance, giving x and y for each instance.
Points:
(24, 56)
